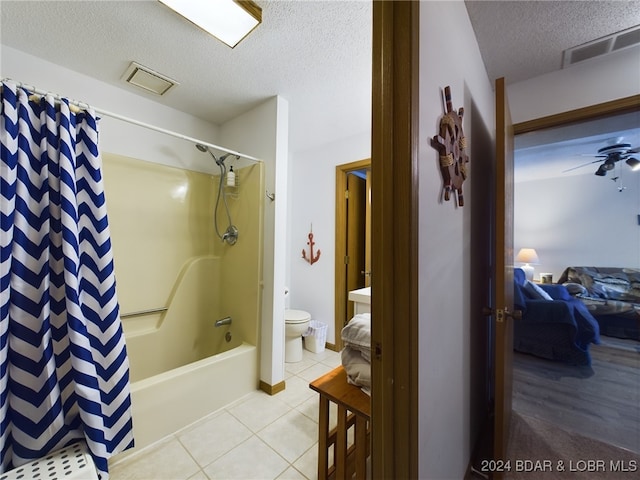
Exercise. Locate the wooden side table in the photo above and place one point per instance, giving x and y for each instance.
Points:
(354, 408)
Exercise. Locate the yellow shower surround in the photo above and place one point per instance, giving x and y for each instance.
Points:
(167, 254)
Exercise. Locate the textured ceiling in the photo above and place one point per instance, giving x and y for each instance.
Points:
(315, 54)
(523, 39)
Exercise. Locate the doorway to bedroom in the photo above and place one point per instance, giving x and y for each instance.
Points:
(574, 217)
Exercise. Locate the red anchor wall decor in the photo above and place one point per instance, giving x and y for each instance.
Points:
(311, 259)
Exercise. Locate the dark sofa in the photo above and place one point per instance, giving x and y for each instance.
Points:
(554, 324)
(611, 294)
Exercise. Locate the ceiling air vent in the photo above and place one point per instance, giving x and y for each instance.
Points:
(147, 79)
(601, 46)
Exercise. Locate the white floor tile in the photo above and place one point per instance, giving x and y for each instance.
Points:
(296, 367)
(214, 437)
(296, 392)
(314, 372)
(308, 462)
(310, 408)
(245, 398)
(290, 435)
(319, 357)
(333, 359)
(199, 476)
(169, 461)
(252, 459)
(292, 474)
(259, 411)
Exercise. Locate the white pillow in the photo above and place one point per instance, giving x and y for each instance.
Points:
(358, 331)
(536, 292)
(357, 334)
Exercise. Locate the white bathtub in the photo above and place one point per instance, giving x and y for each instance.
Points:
(182, 365)
(169, 401)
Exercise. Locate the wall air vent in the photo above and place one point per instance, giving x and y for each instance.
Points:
(601, 46)
(147, 79)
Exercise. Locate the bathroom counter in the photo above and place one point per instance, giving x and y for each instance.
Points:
(361, 299)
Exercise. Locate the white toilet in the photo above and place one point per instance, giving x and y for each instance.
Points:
(296, 322)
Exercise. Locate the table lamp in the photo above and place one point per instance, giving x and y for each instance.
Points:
(529, 257)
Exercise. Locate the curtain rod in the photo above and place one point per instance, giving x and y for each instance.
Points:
(131, 120)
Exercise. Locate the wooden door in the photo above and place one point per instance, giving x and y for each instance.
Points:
(394, 241)
(356, 208)
(343, 172)
(503, 291)
(367, 231)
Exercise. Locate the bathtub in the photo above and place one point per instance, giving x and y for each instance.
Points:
(175, 280)
(169, 401)
(183, 366)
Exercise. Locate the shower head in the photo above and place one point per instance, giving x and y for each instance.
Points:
(224, 157)
(204, 148)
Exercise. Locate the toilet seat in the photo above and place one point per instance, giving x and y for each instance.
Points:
(296, 323)
(296, 316)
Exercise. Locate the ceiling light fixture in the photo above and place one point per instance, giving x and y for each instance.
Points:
(634, 163)
(601, 172)
(227, 20)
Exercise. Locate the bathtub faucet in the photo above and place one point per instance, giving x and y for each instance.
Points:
(223, 321)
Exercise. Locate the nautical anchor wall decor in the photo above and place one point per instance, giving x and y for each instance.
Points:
(450, 143)
(311, 259)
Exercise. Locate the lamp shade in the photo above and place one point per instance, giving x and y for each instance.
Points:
(527, 255)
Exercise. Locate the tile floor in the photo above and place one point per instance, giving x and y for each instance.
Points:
(257, 437)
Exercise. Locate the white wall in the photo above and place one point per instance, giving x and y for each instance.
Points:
(263, 133)
(117, 136)
(447, 426)
(593, 81)
(313, 201)
(579, 220)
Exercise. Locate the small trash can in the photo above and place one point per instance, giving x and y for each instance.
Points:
(315, 337)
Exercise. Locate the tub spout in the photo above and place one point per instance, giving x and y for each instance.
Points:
(223, 321)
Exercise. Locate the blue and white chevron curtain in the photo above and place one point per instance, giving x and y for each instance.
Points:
(64, 371)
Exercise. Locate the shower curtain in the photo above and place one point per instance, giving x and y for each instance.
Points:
(64, 372)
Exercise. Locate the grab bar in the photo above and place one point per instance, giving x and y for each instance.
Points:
(144, 312)
(223, 321)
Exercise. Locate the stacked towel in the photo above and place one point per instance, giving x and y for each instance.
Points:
(356, 354)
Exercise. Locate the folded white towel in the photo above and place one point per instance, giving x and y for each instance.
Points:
(358, 369)
(357, 334)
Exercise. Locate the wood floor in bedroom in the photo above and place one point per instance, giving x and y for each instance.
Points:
(601, 401)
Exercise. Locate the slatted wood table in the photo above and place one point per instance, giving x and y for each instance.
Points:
(354, 408)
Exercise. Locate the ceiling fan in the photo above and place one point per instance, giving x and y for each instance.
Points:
(611, 154)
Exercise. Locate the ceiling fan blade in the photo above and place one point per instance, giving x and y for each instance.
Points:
(634, 150)
(580, 166)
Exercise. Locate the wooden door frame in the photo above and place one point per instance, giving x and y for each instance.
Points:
(621, 105)
(341, 246)
(394, 240)
(503, 276)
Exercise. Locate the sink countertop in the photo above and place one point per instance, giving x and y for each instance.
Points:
(362, 295)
